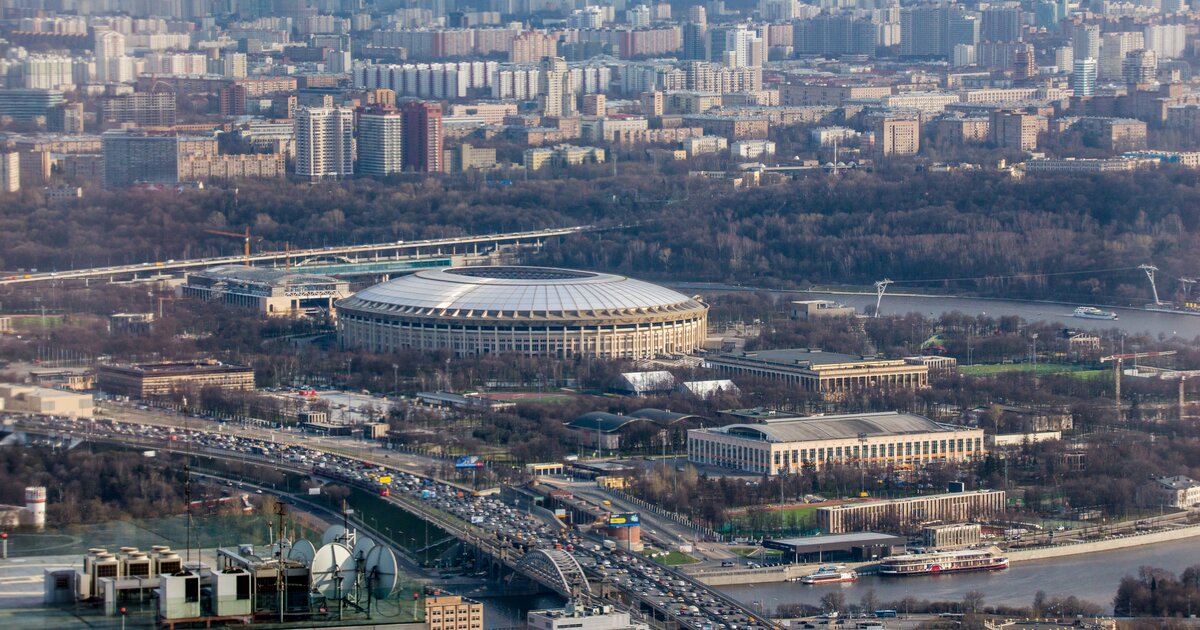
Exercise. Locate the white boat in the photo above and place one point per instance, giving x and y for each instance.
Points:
(829, 575)
(943, 562)
(1091, 312)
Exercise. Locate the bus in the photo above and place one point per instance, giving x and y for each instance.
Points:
(882, 614)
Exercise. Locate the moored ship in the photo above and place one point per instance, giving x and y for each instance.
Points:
(943, 562)
(829, 575)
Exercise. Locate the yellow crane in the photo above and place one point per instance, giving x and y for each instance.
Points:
(245, 236)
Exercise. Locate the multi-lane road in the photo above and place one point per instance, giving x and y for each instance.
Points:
(485, 522)
(349, 253)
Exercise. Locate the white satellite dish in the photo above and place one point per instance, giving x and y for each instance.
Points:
(335, 533)
(362, 547)
(333, 571)
(303, 551)
(382, 571)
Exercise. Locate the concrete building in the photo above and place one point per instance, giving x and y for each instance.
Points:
(952, 536)
(146, 380)
(832, 374)
(453, 612)
(556, 90)
(752, 149)
(144, 109)
(1113, 49)
(582, 617)
(272, 292)
(562, 155)
(324, 142)
(466, 158)
(909, 515)
(815, 309)
(1084, 77)
(897, 135)
(43, 401)
(424, 137)
(134, 156)
(380, 142)
(797, 444)
(853, 547)
(1013, 130)
(10, 172)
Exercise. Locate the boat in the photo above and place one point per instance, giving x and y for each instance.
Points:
(1091, 312)
(943, 562)
(829, 575)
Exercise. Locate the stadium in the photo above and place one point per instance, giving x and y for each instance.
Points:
(525, 310)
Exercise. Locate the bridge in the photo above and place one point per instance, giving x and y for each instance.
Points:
(376, 258)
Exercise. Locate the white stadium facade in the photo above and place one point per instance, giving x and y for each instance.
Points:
(525, 310)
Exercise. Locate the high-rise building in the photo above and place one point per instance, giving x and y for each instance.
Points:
(1064, 58)
(1013, 130)
(743, 48)
(834, 35)
(556, 90)
(233, 65)
(1113, 48)
(112, 65)
(638, 16)
(1001, 24)
(66, 118)
(324, 142)
(423, 137)
(897, 135)
(933, 30)
(1083, 78)
(1085, 39)
(1168, 41)
(695, 34)
(10, 172)
(380, 142)
(141, 108)
(132, 156)
(1140, 67)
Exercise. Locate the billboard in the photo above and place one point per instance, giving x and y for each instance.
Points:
(629, 519)
(468, 461)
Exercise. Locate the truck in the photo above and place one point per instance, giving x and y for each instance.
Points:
(610, 545)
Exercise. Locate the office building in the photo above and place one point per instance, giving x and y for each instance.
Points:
(1113, 49)
(452, 612)
(556, 90)
(423, 137)
(1083, 78)
(909, 515)
(695, 35)
(132, 157)
(146, 380)
(380, 142)
(831, 374)
(143, 109)
(1001, 24)
(27, 103)
(66, 118)
(794, 445)
(324, 142)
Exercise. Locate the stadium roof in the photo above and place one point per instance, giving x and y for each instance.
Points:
(659, 416)
(835, 427)
(603, 421)
(478, 291)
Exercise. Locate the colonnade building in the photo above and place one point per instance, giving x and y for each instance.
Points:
(795, 444)
(833, 375)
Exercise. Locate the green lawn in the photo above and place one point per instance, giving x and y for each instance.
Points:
(675, 558)
(1042, 369)
(36, 322)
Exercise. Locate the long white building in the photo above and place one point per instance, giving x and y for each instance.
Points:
(796, 444)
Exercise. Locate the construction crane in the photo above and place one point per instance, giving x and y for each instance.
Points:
(880, 287)
(1118, 360)
(245, 236)
(1182, 376)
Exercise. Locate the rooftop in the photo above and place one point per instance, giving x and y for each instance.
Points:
(261, 275)
(798, 357)
(831, 540)
(839, 427)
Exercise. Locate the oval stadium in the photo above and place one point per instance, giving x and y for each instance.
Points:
(526, 310)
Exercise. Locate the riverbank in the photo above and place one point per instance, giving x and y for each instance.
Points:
(791, 572)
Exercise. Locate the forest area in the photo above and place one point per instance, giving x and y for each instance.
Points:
(922, 228)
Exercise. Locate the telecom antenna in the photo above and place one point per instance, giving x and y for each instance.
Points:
(1150, 269)
(880, 289)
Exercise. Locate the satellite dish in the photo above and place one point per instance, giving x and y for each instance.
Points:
(335, 533)
(333, 571)
(303, 551)
(362, 547)
(382, 571)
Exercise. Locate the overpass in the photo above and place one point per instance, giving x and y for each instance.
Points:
(372, 258)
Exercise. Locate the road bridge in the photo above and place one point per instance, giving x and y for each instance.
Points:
(373, 258)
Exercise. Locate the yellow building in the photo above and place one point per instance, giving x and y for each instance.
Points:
(833, 375)
(452, 612)
(159, 379)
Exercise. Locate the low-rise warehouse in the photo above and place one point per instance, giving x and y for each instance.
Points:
(795, 444)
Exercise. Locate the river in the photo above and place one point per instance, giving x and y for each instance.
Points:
(1093, 577)
(1131, 320)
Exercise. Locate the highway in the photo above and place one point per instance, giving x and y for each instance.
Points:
(501, 531)
(374, 251)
